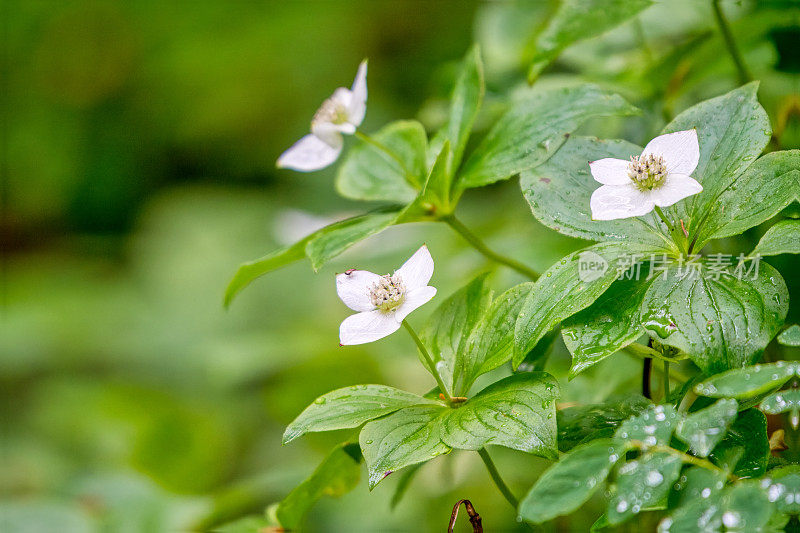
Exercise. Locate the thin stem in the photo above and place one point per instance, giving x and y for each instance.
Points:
(647, 367)
(429, 360)
(498, 480)
(479, 245)
(666, 381)
(730, 43)
(385, 149)
(687, 401)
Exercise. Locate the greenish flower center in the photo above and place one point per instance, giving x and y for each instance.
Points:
(647, 172)
(387, 293)
(331, 111)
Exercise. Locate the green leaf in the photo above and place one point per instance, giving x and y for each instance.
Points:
(435, 196)
(534, 128)
(370, 173)
(790, 336)
(697, 483)
(576, 20)
(446, 334)
(558, 192)
(350, 407)
(516, 412)
(491, 343)
(746, 507)
(566, 485)
(754, 196)
(782, 238)
(781, 402)
(732, 130)
(561, 291)
(319, 247)
(703, 429)
(745, 449)
(580, 424)
(465, 102)
(720, 323)
(745, 383)
(784, 489)
(654, 426)
(406, 437)
(611, 323)
(641, 483)
(338, 474)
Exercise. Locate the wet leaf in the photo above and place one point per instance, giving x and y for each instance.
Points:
(782, 238)
(748, 382)
(781, 402)
(641, 483)
(654, 426)
(584, 423)
(745, 448)
(703, 429)
(790, 336)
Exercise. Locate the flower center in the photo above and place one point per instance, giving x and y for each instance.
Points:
(387, 293)
(331, 111)
(647, 172)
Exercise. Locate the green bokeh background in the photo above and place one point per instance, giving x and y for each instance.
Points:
(139, 147)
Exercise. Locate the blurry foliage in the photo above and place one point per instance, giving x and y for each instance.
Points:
(139, 149)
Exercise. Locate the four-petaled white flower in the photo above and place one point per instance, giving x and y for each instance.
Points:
(342, 113)
(383, 302)
(659, 177)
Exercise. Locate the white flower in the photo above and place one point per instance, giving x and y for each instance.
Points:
(383, 302)
(342, 113)
(658, 177)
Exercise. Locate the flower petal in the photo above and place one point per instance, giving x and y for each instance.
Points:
(417, 271)
(610, 171)
(611, 202)
(357, 107)
(675, 188)
(311, 153)
(413, 299)
(367, 327)
(680, 150)
(353, 289)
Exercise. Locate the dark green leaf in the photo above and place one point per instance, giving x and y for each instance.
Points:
(654, 426)
(745, 448)
(338, 474)
(558, 192)
(641, 483)
(571, 481)
(703, 429)
(370, 173)
(744, 383)
(720, 323)
(350, 407)
(516, 412)
(404, 438)
(584, 423)
(561, 291)
(533, 129)
(782, 238)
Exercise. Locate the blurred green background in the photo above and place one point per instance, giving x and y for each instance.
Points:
(139, 147)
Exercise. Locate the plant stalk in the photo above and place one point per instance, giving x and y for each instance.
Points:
(666, 381)
(647, 368)
(479, 245)
(429, 361)
(730, 43)
(498, 480)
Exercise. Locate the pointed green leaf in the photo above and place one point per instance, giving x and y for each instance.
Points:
(534, 128)
(247, 272)
(641, 483)
(446, 335)
(703, 429)
(435, 196)
(720, 323)
(404, 438)
(516, 412)
(558, 192)
(562, 291)
(465, 102)
(697, 483)
(745, 449)
(370, 173)
(790, 336)
(338, 474)
(576, 20)
(350, 407)
(580, 424)
(781, 402)
(748, 382)
(654, 426)
(566, 485)
(782, 238)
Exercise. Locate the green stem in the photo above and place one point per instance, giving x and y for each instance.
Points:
(498, 480)
(666, 381)
(429, 361)
(388, 151)
(479, 245)
(685, 457)
(730, 43)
